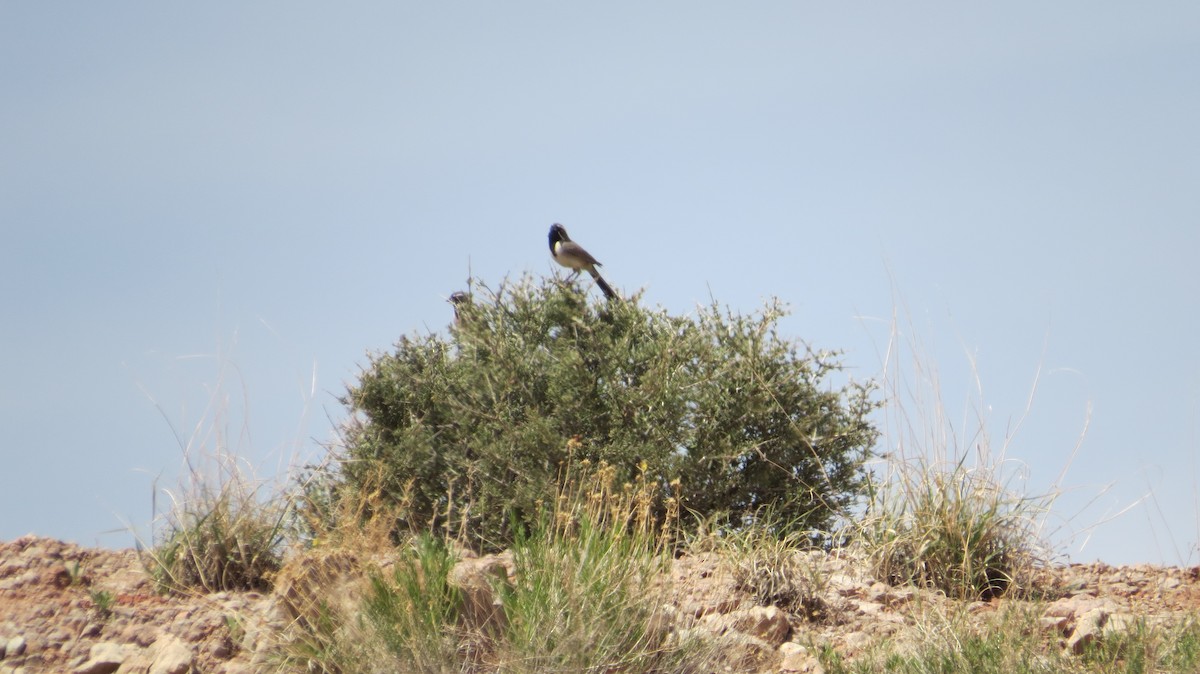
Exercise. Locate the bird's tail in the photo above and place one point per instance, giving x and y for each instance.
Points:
(609, 293)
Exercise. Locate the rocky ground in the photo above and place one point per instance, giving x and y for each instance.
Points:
(64, 608)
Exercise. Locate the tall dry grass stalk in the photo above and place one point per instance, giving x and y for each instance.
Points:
(222, 528)
(946, 507)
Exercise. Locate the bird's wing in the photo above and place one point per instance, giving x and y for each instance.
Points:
(574, 250)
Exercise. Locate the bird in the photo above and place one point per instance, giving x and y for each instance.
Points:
(457, 300)
(573, 256)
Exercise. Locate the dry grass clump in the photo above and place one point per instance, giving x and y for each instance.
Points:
(771, 563)
(944, 509)
(224, 529)
(219, 537)
(955, 529)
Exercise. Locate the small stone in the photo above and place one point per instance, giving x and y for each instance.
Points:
(1119, 623)
(19, 581)
(174, 657)
(1120, 589)
(790, 647)
(744, 653)
(797, 658)
(15, 647)
(869, 608)
(222, 649)
(104, 658)
(1087, 630)
(143, 635)
(855, 642)
(766, 623)
(1057, 624)
(898, 596)
(846, 586)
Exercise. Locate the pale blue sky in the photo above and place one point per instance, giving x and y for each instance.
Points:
(274, 189)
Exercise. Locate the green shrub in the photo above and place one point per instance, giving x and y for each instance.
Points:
(467, 432)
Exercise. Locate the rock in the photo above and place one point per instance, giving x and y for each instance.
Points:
(1087, 630)
(1120, 588)
(139, 660)
(744, 653)
(142, 635)
(18, 581)
(868, 608)
(704, 585)
(766, 623)
(1061, 625)
(797, 658)
(479, 579)
(1118, 623)
(853, 643)
(1081, 617)
(1063, 608)
(1069, 611)
(173, 657)
(889, 596)
(846, 586)
(15, 647)
(222, 649)
(104, 658)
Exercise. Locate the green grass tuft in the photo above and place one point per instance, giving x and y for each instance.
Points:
(415, 612)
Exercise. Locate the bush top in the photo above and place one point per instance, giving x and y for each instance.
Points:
(469, 431)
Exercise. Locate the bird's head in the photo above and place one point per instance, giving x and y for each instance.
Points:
(557, 233)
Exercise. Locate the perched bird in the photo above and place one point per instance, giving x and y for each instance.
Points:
(573, 256)
(457, 300)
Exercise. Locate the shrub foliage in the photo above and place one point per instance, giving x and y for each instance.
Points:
(468, 431)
